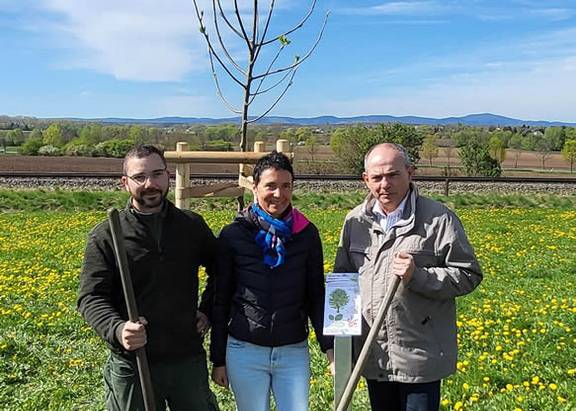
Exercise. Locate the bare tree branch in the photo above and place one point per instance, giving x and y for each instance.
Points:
(211, 50)
(217, 28)
(241, 23)
(223, 16)
(300, 60)
(258, 92)
(270, 66)
(266, 25)
(254, 32)
(306, 17)
(219, 90)
(277, 100)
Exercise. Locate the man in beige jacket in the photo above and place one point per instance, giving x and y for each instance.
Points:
(395, 232)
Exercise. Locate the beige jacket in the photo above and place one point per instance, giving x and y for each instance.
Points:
(418, 340)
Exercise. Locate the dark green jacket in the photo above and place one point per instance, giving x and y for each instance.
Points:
(164, 275)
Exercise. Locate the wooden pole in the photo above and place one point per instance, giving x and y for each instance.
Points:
(361, 362)
(122, 261)
(182, 179)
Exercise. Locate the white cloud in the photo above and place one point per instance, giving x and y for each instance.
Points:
(404, 7)
(144, 40)
(131, 40)
(553, 14)
(396, 8)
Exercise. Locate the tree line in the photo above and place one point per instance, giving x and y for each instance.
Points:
(481, 150)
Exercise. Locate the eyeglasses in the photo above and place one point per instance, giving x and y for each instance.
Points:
(153, 176)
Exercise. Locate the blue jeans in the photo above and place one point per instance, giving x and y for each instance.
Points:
(255, 371)
(397, 396)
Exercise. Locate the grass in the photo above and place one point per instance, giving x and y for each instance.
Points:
(516, 332)
(9, 150)
(62, 200)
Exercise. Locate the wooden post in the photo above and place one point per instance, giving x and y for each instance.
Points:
(282, 146)
(343, 363)
(446, 187)
(259, 146)
(182, 180)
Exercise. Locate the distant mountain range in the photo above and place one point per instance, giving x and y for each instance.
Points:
(484, 119)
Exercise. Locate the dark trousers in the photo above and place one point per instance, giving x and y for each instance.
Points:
(397, 396)
(181, 385)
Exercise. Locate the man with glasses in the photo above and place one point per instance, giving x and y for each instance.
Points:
(165, 248)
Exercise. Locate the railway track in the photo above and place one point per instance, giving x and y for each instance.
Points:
(300, 177)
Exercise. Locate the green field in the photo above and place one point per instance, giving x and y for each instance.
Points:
(516, 331)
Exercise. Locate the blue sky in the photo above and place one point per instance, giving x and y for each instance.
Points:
(146, 58)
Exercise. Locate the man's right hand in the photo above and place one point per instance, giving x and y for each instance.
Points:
(219, 376)
(133, 334)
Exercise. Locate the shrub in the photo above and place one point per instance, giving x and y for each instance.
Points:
(78, 150)
(476, 160)
(113, 148)
(49, 150)
(31, 147)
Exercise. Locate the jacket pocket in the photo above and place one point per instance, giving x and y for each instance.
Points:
(424, 258)
(359, 256)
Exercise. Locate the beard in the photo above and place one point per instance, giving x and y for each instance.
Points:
(151, 198)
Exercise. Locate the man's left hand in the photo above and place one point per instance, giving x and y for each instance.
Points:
(403, 266)
(202, 323)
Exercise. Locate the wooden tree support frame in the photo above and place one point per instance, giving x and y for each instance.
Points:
(183, 158)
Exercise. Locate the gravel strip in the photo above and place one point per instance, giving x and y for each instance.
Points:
(92, 184)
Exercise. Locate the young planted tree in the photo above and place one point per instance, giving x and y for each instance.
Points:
(544, 148)
(254, 76)
(516, 144)
(429, 148)
(497, 148)
(569, 152)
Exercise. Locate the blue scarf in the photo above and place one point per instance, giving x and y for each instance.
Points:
(272, 235)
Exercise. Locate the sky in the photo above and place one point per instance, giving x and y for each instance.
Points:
(148, 58)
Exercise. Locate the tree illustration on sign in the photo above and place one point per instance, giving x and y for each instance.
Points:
(338, 299)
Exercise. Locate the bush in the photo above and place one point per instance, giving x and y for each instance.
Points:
(113, 148)
(78, 150)
(476, 160)
(49, 150)
(31, 147)
(218, 145)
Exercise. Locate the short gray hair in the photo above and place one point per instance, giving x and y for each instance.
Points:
(398, 147)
